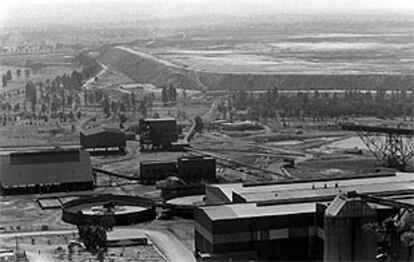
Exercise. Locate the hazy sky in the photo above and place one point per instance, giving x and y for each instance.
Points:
(82, 10)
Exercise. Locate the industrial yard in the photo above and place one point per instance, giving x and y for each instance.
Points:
(262, 138)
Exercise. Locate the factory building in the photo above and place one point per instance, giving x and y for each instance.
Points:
(103, 140)
(158, 133)
(298, 220)
(46, 171)
(260, 232)
(197, 168)
(153, 171)
(319, 190)
(191, 169)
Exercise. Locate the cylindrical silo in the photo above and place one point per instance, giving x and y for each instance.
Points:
(346, 236)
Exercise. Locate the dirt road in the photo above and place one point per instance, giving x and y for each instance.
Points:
(150, 57)
(89, 84)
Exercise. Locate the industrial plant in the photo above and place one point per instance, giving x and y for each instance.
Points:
(216, 130)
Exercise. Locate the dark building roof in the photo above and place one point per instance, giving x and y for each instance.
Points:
(103, 137)
(159, 119)
(45, 167)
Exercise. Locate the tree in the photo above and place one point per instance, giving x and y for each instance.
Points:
(93, 237)
(16, 107)
(133, 100)
(122, 120)
(143, 109)
(107, 106)
(85, 97)
(4, 79)
(99, 95)
(164, 95)
(31, 96)
(122, 107)
(126, 102)
(27, 72)
(184, 95)
(9, 75)
(114, 107)
(76, 80)
(44, 108)
(172, 91)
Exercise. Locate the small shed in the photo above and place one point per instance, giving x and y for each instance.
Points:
(103, 139)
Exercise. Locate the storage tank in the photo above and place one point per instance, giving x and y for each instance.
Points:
(346, 236)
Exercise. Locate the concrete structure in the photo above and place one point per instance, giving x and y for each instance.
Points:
(124, 210)
(45, 171)
(345, 237)
(294, 220)
(103, 140)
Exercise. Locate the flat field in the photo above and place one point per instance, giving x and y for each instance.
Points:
(301, 45)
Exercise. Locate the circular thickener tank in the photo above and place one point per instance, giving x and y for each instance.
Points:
(125, 210)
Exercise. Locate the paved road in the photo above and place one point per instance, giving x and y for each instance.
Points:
(38, 233)
(33, 255)
(165, 241)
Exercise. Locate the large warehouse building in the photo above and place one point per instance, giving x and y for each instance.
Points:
(251, 231)
(45, 171)
(103, 140)
(295, 220)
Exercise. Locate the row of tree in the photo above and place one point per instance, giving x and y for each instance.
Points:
(127, 103)
(6, 78)
(9, 77)
(63, 91)
(321, 106)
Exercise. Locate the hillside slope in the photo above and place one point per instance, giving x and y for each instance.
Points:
(145, 70)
